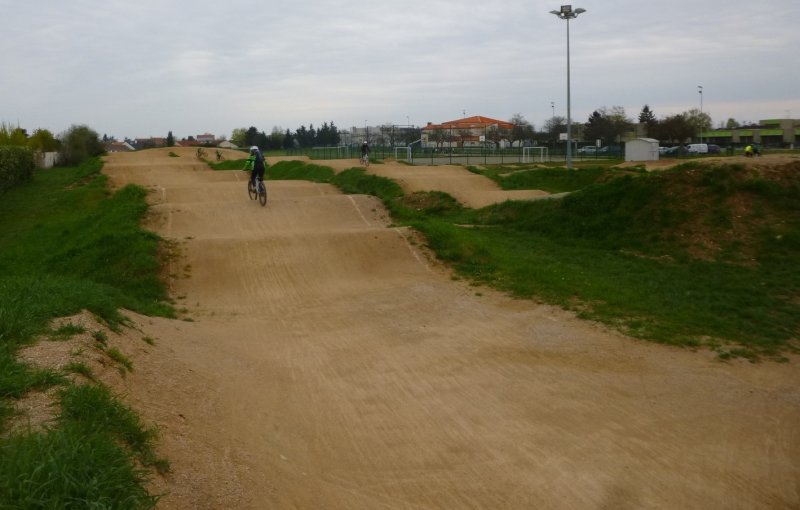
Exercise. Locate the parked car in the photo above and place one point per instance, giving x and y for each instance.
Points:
(714, 149)
(697, 148)
(588, 149)
(611, 150)
(672, 151)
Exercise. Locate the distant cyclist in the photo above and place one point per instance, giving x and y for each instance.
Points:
(255, 163)
(365, 153)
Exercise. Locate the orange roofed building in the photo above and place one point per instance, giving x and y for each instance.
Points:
(474, 131)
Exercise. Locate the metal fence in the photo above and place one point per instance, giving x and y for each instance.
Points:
(456, 155)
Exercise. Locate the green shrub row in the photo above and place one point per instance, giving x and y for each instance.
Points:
(16, 166)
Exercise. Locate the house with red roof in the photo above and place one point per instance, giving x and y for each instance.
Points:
(476, 131)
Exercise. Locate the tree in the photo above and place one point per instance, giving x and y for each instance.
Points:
(554, 127)
(288, 140)
(646, 116)
(262, 141)
(251, 136)
(238, 137)
(732, 124)
(302, 137)
(275, 139)
(43, 140)
(170, 140)
(596, 126)
(13, 135)
(439, 135)
(492, 134)
(411, 135)
(463, 134)
(80, 143)
(522, 130)
(700, 121)
(327, 135)
(607, 125)
(673, 129)
(312, 136)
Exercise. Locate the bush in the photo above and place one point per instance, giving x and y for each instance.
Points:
(16, 166)
(78, 144)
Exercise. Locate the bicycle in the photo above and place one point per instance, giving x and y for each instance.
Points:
(258, 192)
(365, 160)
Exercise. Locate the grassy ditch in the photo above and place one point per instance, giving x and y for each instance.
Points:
(698, 256)
(68, 244)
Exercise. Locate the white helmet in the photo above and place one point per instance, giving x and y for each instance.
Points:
(253, 149)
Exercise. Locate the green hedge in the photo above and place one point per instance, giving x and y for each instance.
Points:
(16, 165)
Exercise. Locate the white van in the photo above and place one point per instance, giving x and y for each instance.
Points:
(697, 148)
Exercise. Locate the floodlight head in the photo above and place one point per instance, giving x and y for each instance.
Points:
(557, 13)
(566, 9)
(579, 10)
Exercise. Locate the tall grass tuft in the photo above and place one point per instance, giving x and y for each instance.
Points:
(69, 467)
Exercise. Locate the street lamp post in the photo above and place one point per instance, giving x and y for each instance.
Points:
(700, 91)
(566, 13)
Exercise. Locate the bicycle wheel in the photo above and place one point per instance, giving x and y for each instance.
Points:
(251, 190)
(262, 193)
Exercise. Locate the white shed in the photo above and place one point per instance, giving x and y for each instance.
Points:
(641, 149)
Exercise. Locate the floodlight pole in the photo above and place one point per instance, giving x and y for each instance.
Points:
(566, 13)
(700, 90)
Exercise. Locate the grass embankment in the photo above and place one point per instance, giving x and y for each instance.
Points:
(695, 256)
(67, 244)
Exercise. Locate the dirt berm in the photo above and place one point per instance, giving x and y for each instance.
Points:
(331, 363)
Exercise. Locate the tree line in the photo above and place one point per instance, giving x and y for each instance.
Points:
(74, 145)
(612, 125)
(609, 125)
(327, 135)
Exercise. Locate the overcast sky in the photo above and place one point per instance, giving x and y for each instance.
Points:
(140, 69)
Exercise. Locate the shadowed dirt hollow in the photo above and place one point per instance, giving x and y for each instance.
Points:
(330, 363)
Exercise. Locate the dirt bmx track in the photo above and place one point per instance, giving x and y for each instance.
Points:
(330, 363)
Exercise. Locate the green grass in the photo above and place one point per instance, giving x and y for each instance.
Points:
(552, 180)
(73, 246)
(618, 249)
(69, 467)
(84, 462)
(286, 170)
(115, 354)
(81, 368)
(68, 244)
(67, 331)
(356, 180)
(228, 164)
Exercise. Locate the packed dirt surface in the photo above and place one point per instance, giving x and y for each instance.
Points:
(330, 362)
(470, 189)
(764, 160)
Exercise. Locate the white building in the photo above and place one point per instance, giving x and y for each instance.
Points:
(641, 149)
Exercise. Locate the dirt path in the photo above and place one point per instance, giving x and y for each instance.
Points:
(331, 364)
